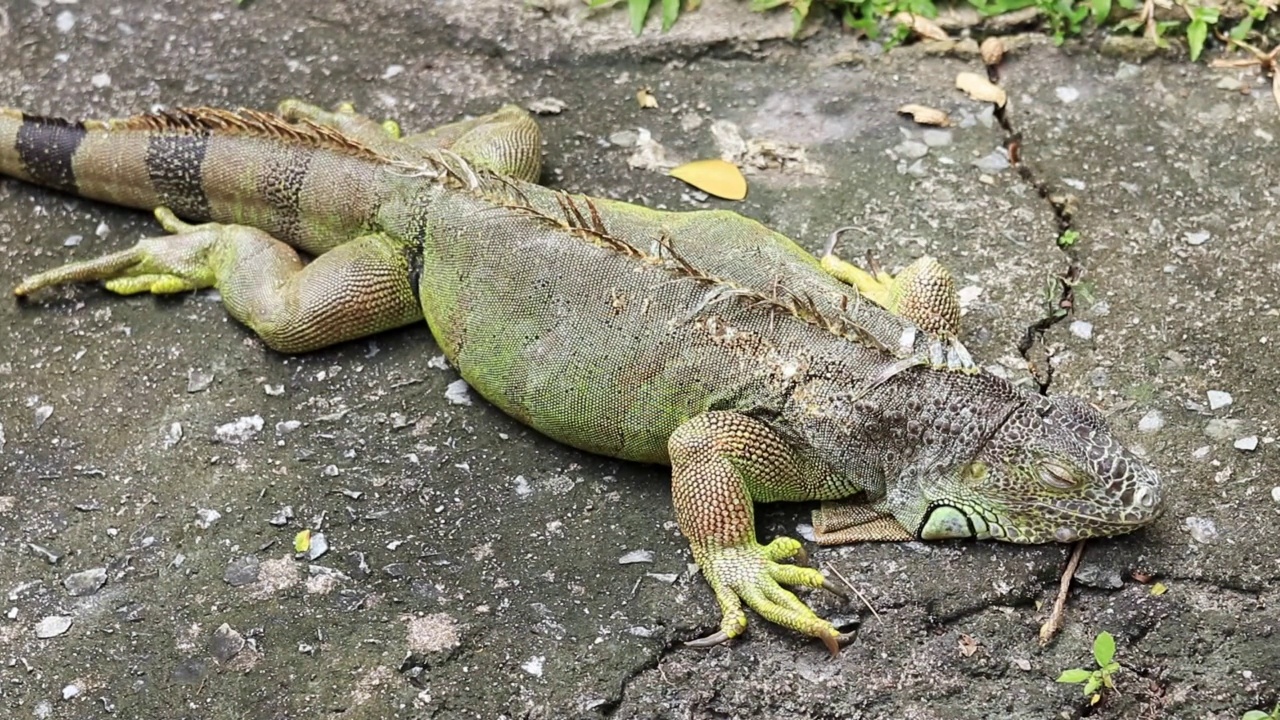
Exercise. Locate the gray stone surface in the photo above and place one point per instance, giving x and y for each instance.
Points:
(473, 567)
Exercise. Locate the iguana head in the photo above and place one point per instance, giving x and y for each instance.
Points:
(1051, 471)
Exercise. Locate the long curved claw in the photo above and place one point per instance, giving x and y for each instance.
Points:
(716, 638)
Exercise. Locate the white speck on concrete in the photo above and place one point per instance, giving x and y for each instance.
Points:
(636, 556)
(1203, 530)
(392, 71)
(206, 517)
(1082, 329)
(1067, 94)
(240, 430)
(1151, 422)
(65, 21)
(457, 393)
(1198, 237)
(1218, 399)
(1248, 443)
(100, 80)
(1275, 494)
(533, 665)
(523, 488)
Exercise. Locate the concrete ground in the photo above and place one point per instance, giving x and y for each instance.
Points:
(156, 461)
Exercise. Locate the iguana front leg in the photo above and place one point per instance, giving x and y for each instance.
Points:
(356, 289)
(723, 462)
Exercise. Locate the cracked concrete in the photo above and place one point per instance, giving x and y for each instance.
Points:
(473, 565)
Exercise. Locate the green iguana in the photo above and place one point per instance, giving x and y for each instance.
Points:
(702, 340)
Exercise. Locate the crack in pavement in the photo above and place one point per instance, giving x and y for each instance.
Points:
(1060, 297)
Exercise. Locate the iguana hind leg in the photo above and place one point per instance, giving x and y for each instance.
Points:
(924, 292)
(359, 288)
(506, 141)
(721, 463)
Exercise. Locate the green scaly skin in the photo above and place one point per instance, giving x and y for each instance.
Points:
(701, 340)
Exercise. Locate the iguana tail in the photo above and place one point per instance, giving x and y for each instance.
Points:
(303, 182)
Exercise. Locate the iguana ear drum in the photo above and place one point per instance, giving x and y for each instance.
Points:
(945, 522)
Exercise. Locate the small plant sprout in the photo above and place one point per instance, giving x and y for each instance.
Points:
(1104, 652)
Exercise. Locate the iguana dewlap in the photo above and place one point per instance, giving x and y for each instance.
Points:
(702, 340)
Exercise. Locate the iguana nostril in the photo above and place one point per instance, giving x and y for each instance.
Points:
(1145, 496)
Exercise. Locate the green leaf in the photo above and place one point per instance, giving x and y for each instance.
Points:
(670, 11)
(599, 3)
(1101, 10)
(1197, 31)
(799, 11)
(1074, 675)
(1092, 686)
(1242, 28)
(638, 10)
(1255, 715)
(762, 5)
(1104, 648)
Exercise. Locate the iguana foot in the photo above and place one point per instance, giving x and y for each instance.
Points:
(754, 574)
(358, 288)
(164, 265)
(721, 462)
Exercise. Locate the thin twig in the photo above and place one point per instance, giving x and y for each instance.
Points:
(1051, 626)
(855, 590)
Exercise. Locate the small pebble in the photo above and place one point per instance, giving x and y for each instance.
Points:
(1199, 237)
(240, 430)
(911, 149)
(282, 516)
(1223, 428)
(206, 517)
(53, 626)
(392, 71)
(70, 691)
(1229, 83)
(100, 80)
(1247, 444)
(547, 106)
(936, 138)
(1082, 329)
(197, 380)
(1218, 399)
(1151, 422)
(241, 571)
(319, 546)
(1202, 529)
(993, 162)
(1275, 494)
(226, 643)
(457, 393)
(622, 138)
(65, 21)
(87, 582)
(636, 556)
(43, 413)
(1067, 94)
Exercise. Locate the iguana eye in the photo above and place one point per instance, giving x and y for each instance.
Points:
(1058, 476)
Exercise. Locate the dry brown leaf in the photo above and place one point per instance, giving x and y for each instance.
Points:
(920, 25)
(645, 97)
(992, 50)
(981, 89)
(968, 645)
(926, 115)
(715, 177)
